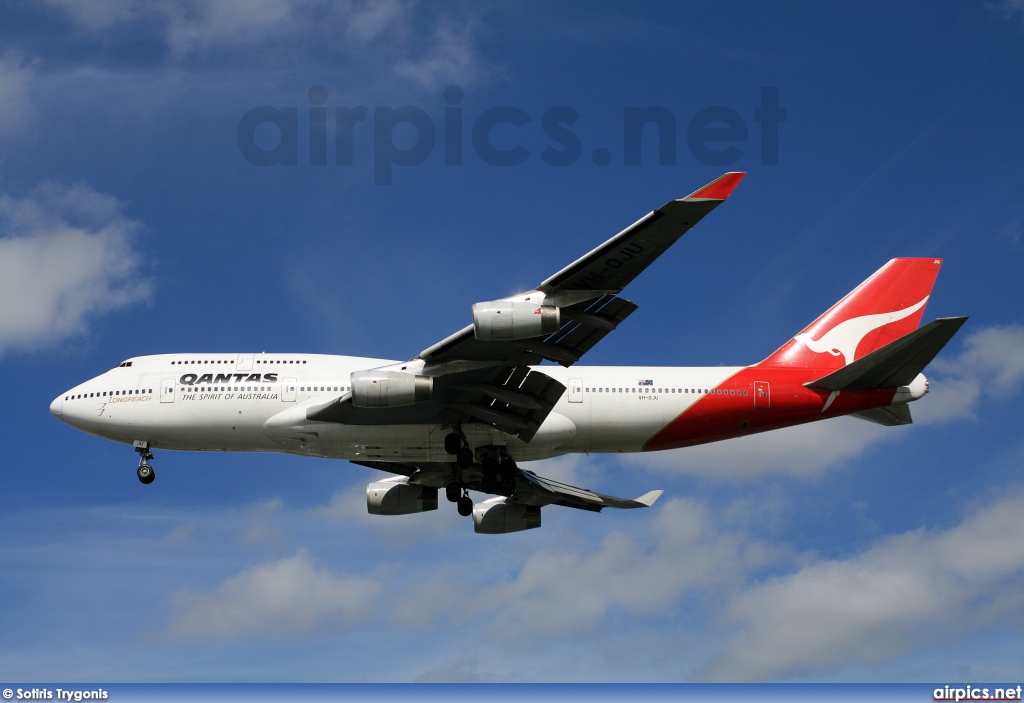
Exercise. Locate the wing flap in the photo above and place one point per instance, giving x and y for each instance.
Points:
(542, 392)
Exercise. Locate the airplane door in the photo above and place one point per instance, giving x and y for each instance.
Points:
(288, 390)
(575, 390)
(244, 362)
(167, 390)
(762, 395)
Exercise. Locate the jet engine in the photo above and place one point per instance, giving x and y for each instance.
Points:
(499, 516)
(385, 389)
(505, 319)
(396, 496)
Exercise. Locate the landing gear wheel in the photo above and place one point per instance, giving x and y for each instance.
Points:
(464, 458)
(146, 474)
(465, 506)
(453, 492)
(453, 443)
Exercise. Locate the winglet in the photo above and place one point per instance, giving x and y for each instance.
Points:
(648, 498)
(718, 189)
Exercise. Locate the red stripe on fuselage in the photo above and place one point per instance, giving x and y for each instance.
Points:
(722, 416)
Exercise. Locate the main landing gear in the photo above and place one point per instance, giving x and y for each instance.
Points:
(145, 472)
(498, 470)
(459, 495)
(456, 444)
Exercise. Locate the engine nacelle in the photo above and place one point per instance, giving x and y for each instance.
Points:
(385, 389)
(917, 389)
(505, 319)
(396, 496)
(499, 516)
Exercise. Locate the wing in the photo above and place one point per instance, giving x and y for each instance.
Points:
(586, 288)
(487, 378)
(530, 489)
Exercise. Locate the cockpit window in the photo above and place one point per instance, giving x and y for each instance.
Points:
(124, 364)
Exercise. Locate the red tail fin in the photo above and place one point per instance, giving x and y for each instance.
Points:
(878, 311)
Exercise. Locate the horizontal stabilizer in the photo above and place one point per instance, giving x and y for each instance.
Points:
(897, 363)
(891, 416)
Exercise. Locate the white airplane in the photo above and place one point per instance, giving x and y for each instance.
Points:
(463, 413)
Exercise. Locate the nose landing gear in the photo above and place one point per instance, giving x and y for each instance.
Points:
(145, 472)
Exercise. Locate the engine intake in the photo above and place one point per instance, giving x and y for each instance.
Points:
(499, 516)
(385, 389)
(396, 496)
(503, 319)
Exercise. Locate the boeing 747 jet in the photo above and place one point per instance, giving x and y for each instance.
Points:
(462, 414)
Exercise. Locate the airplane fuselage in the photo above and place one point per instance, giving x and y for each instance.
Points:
(258, 402)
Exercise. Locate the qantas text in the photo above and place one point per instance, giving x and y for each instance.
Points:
(191, 379)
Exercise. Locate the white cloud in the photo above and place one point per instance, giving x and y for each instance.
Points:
(182, 533)
(564, 590)
(194, 29)
(283, 597)
(16, 110)
(909, 591)
(1011, 9)
(368, 21)
(98, 15)
(66, 255)
(990, 367)
(410, 40)
(804, 450)
(449, 57)
(1011, 232)
(261, 529)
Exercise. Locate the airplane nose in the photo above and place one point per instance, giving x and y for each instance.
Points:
(57, 405)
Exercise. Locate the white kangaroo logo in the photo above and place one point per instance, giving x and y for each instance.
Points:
(845, 337)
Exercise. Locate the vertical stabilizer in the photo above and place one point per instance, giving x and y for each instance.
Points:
(880, 310)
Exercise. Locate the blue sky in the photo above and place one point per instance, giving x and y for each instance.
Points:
(131, 222)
